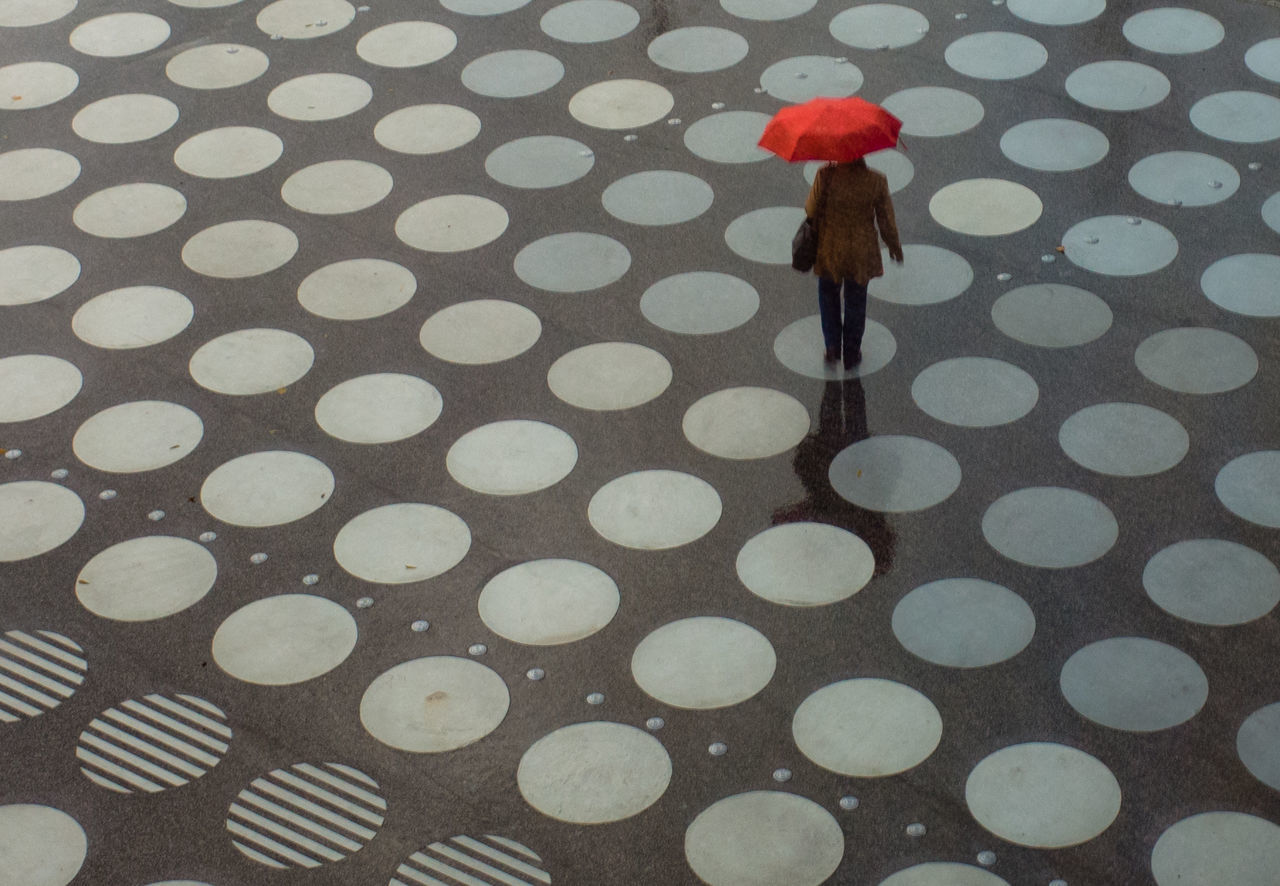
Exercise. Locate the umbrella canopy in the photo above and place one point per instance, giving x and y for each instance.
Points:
(834, 129)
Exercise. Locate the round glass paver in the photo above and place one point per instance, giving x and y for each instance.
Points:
(406, 44)
(763, 838)
(657, 197)
(804, 77)
(426, 129)
(728, 137)
(767, 10)
(1124, 439)
(928, 275)
(996, 55)
(572, 262)
(539, 161)
(1249, 487)
(934, 111)
(1134, 684)
(867, 727)
(1271, 212)
(1043, 795)
(609, 376)
(805, 564)
(589, 21)
(697, 50)
(28, 85)
(655, 509)
(963, 623)
(879, 26)
(1239, 116)
(1120, 246)
(512, 73)
(1173, 31)
(975, 392)
(1217, 847)
(31, 173)
(1196, 360)
(1057, 12)
(1050, 527)
(1054, 144)
(1051, 315)
(985, 207)
(548, 602)
(945, 873)
(318, 97)
(1117, 86)
(1264, 59)
(894, 473)
(746, 423)
(1244, 284)
(513, 457)
(703, 663)
(1212, 581)
(228, 152)
(799, 348)
(764, 235)
(121, 119)
(1184, 178)
(621, 104)
(1258, 744)
(699, 302)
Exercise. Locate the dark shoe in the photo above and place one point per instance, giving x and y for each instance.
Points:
(852, 360)
(831, 355)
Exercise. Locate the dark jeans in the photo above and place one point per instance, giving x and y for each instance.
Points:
(843, 337)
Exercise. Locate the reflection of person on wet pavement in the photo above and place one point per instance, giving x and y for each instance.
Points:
(850, 201)
(842, 421)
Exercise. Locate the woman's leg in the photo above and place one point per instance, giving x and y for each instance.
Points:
(855, 320)
(829, 311)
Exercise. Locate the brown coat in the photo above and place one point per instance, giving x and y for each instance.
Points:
(857, 203)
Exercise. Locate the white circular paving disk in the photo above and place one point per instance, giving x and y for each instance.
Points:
(928, 275)
(1245, 117)
(985, 207)
(1264, 59)
(486, 330)
(512, 73)
(228, 152)
(589, 21)
(697, 50)
(609, 376)
(140, 436)
(29, 13)
(1051, 315)
(1258, 744)
(963, 623)
(975, 392)
(572, 262)
(1134, 684)
(1050, 527)
(879, 26)
(512, 457)
(133, 317)
(251, 361)
(654, 510)
(266, 488)
(1244, 284)
(805, 77)
(764, 838)
(996, 55)
(805, 564)
(1184, 178)
(146, 578)
(379, 408)
(452, 223)
(1212, 581)
(1054, 145)
(728, 137)
(314, 97)
(548, 602)
(48, 514)
(1124, 439)
(1057, 12)
(402, 543)
(357, 289)
(621, 104)
(119, 34)
(29, 85)
(436, 704)
(426, 129)
(31, 173)
(867, 727)
(764, 235)
(132, 210)
(120, 119)
(285, 639)
(34, 385)
(1120, 246)
(799, 348)
(703, 663)
(406, 44)
(934, 111)
(237, 249)
(1215, 848)
(699, 302)
(30, 274)
(1117, 86)
(943, 873)
(305, 19)
(767, 10)
(41, 846)
(746, 423)
(657, 197)
(217, 66)
(594, 773)
(1249, 487)
(894, 473)
(539, 161)
(335, 187)
(1043, 795)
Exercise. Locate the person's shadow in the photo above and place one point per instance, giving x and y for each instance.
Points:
(842, 421)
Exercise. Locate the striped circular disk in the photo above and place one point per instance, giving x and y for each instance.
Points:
(153, 743)
(306, 815)
(39, 671)
(488, 860)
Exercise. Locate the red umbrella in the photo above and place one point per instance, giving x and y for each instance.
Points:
(835, 129)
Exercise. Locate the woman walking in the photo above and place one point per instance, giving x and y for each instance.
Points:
(850, 203)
